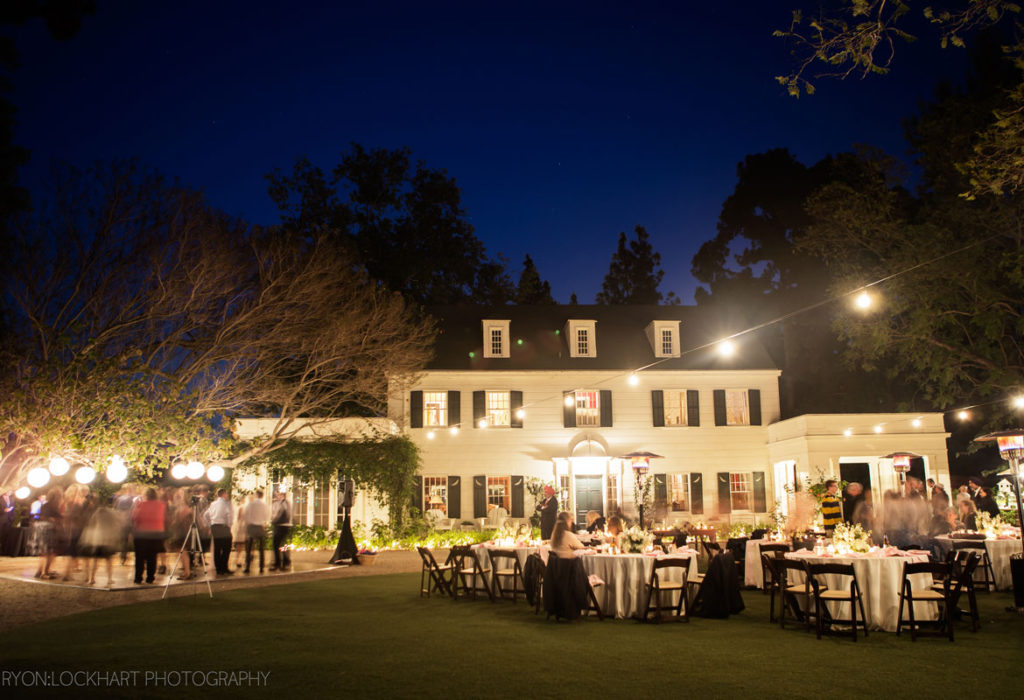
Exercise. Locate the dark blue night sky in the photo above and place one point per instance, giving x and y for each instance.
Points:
(563, 122)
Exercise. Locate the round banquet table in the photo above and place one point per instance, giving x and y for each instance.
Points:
(879, 577)
(999, 551)
(625, 575)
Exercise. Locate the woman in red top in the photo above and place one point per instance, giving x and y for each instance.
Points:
(148, 531)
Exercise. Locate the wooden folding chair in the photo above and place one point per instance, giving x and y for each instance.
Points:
(774, 550)
(950, 589)
(987, 575)
(506, 573)
(963, 564)
(822, 595)
(793, 595)
(660, 584)
(773, 582)
(434, 576)
(470, 574)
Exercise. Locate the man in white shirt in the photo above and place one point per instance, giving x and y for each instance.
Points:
(257, 515)
(220, 517)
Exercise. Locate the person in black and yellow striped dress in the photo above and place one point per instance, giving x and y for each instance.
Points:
(831, 508)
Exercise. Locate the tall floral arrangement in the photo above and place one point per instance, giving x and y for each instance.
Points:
(852, 538)
(635, 539)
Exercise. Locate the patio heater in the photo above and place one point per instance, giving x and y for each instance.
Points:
(641, 462)
(901, 465)
(1011, 447)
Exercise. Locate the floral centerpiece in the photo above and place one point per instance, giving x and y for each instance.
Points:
(635, 540)
(513, 535)
(984, 522)
(851, 538)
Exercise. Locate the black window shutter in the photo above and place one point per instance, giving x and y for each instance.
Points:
(479, 496)
(417, 493)
(660, 490)
(658, 408)
(516, 404)
(478, 408)
(454, 497)
(569, 409)
(606, 408)
(454, 408)
(696, 494)
(692, 408)
(719, 406)
(755, 406)
(724, 497)
(416, 409)
(517, 497)
(760, 500)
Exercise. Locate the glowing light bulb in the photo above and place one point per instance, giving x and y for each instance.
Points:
(963, 415)
(179, 470)
(726, 348)
(848, 432)
(215, 473)
(85, 475)
(59, 466)
(38, 477)
(116, 471)
(520, 414)
(634, 379)
(916, 422)
(195, 470)
(1018, 402)
(430, 435)
(22, 493)
(569, 399)
(482, 423)
(863, 301)
(878, 428)
(454, 430)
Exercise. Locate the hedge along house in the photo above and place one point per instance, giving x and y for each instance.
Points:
(565, 393)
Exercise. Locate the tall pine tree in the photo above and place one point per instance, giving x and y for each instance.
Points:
(532, 289)
(635, 273)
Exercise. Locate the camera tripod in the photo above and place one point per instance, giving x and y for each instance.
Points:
(194, 545)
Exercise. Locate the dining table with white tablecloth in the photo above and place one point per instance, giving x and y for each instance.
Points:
(999, 550)
(753, 576)
(879, 576)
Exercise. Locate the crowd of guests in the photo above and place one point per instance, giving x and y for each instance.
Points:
(151, 523)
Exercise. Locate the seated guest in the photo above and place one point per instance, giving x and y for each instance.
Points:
(563, 539)
(966, 516)
(941, 522)
(595, 522)
(615, 526)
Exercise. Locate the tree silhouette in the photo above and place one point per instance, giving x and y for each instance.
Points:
(634, 273)
(532, 289)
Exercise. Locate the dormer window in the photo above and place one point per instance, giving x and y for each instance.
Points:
(664, 338)
(581, 337)
(496, 339)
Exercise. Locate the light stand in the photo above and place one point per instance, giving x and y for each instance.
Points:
(1011, 447)
(195, 546)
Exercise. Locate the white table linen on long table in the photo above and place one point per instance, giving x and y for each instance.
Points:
(624, 575)
(999, 551)
(879, 578)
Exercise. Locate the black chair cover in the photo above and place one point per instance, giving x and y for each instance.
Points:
(719, 594)
(565, 587)
(532, 573)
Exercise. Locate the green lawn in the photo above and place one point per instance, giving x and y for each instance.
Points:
(374, 637)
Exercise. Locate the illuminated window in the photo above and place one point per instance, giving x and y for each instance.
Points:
(435, 408)
(675, 407)
(679, 492)
(612, 494)
(499, 408)
(737, 409)
(499, 492)
(740, 491)
(435, 494)
(588, 411)
(321, 506)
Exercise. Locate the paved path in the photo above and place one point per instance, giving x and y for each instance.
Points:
(25, 599)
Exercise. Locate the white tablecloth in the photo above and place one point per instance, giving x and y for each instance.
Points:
(625, 577)
(999, 552)
(879, 578)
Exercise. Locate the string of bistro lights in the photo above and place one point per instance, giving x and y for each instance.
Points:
(727, 348)
(117, 471)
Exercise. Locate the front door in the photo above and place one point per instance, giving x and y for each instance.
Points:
(589, 496)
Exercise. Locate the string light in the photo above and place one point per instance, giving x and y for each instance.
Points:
(634, 379)
(59, 466)
(1018, 401)
(963, 415)
(38, 477)
(848, 432)
(117, 471)
(22, 493)
(85, 475)
(916, 422)
(482, 423)
(863, 301)
(430, 435)
(878, 429)
(215, 473)
(454, 430)
(726, 348)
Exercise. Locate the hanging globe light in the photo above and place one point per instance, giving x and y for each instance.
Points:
(38, 477)
(116, 471)
(195, 470)
(179, 470)
(85, 475)
(22, 493)
(215, 473)
(59, 466)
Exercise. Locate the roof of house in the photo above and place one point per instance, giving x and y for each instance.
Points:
(537, 339)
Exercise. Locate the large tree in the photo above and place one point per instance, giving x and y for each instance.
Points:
(401, 220)
(143, 321)
(634, 273)
(532, 289)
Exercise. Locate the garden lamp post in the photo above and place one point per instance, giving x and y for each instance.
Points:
(1011, 447)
